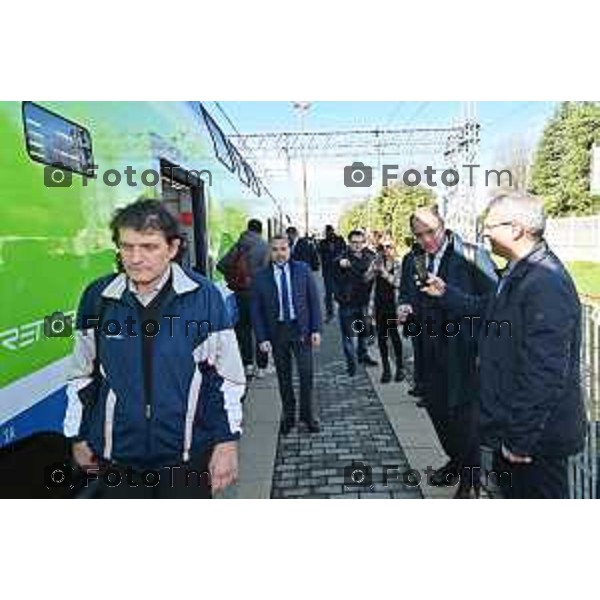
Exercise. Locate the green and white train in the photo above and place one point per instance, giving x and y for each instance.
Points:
(54, 235)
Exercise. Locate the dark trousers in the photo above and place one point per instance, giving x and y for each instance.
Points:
(417, 344)
(435, 383)
(387, 328)
(286, 341)
(189, 481)
(354, 325)
(243, 331)
(464, 432)
(328, 284)
(544, 477)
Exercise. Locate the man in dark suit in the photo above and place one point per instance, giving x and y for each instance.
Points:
(286, 316)
(408, 302)
(532, 412)
(303, 249)
(330, 247)
(448, 352)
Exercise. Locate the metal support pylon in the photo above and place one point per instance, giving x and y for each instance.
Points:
(451, 147)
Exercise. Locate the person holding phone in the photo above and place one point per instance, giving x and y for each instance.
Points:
(386, 272)
(353, 279)
(448, 357)
(532, 415)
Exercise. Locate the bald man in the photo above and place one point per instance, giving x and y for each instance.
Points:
(448, 346)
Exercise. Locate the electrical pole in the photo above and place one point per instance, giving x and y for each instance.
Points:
(302, 108)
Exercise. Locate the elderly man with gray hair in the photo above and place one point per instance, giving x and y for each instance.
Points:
(532, 415)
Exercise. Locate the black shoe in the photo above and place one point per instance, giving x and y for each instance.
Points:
(285, 427)
(351, 369)
(467, 493)
(368, 361)
(400, 375)
(445, 476)
(416, 391)
(312, 426)
(386, 376)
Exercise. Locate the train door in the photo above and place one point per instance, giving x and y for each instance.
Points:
(183, 194)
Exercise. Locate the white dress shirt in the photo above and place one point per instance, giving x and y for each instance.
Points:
(437, 257)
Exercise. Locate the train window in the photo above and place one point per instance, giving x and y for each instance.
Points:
(254, 183)
(246, 173)
(242, 167)
(220, 142)
(53, 140)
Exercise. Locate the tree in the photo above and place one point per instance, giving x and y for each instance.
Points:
(389, 211)
(561, 168)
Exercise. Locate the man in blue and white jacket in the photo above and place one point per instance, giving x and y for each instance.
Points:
(156, 378)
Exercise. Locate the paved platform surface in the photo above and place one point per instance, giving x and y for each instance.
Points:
(366, 428)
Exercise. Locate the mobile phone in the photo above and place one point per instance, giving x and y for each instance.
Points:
(421, 269)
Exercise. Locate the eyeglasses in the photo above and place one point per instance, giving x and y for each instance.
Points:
(504, 223)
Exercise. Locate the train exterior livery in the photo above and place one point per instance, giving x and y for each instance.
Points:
(64, 168)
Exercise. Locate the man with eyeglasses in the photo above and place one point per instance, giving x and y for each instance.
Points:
(353, 280)
(448, 350)
(532, 413)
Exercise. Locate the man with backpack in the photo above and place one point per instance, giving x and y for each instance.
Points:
(239, 266)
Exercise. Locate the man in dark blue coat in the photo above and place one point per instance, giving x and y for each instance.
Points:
(532, 412)
(148, 395)
(286, 316)
(408, 299)
(448, 346)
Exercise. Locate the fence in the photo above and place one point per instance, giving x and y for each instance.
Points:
(583, 472)
(575, 238)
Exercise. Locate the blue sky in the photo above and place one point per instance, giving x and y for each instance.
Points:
(503, 125)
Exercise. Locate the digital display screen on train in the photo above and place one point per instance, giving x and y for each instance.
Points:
(53, 140)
